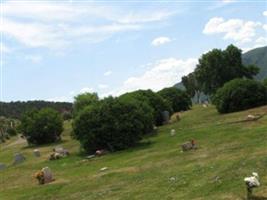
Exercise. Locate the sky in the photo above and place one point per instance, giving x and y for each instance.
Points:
(55, 50)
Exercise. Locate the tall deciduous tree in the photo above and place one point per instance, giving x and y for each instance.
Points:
(83, 100)
(192, 86)
(220, 66)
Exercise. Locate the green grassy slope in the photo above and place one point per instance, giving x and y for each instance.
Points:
(227, 153)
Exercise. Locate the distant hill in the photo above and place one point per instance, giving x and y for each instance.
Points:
(17, 108)
(256, 56)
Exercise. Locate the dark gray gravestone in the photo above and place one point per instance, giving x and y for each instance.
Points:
(2, 166)
(18, 158)
(166, 116)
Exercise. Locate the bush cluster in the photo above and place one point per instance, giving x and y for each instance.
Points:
(113, 124)
(240, 94)
(42, 127)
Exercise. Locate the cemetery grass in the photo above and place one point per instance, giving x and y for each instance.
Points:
(156, 169)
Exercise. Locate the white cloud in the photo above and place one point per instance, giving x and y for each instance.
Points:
(265, 13)
(259, 42)
(228, 1)
(163, 73)
(264, 27)
(34, 58)
(160, 41)
(108, 73)
(103, 86)
(56, 25)
(86, 89)
(235, 29)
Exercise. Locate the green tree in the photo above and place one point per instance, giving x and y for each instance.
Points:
(240, 94)
(154, 100)
(112, 124)
(178, 99)
(83, 100)
(218, 67)
(42, 127)
(192, 86)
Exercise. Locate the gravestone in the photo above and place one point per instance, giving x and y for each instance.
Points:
(18, 158)
(61, 151)
(36, 153)
(187, 146)
(173, 132)
(48, 177)
(2, 166)
(165, 116)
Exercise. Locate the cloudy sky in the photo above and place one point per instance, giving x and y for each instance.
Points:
(54, 50)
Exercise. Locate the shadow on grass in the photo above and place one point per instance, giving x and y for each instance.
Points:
(258, 198)
(30, 146)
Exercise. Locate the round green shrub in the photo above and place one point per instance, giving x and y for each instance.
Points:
(112, 124)
(240, 94)
(178, 99)
(154, 100)
(42, 127)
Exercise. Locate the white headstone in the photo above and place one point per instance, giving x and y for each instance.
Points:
(48, 177)
(173, 132)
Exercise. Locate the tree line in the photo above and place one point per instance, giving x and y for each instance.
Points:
(17, 108)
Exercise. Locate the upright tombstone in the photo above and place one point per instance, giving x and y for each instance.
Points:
(36, 153)
(48, 177)
(166, 117)
(18, 158)
(173, 132)
(2, 166)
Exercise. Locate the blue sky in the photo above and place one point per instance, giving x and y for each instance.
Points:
(54, 50)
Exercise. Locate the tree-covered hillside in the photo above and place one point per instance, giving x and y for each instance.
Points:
(16, 109)
(257, 57)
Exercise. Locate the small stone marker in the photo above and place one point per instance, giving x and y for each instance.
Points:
(90, 156)
(103, 169)
(189, 145)
(18, 158)
(173, 132)
(251, 117)
(2, 166)
(62, 151)
(48, 177)
(36, 153)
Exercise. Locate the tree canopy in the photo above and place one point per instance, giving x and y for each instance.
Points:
(220, 66)
(42, 127)
(83, 100)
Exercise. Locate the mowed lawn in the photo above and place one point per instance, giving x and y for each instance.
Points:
(156, 169)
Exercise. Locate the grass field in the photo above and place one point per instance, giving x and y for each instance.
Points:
(156, 169)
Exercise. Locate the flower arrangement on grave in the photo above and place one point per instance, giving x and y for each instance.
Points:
(40, 177)
(251, 182)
